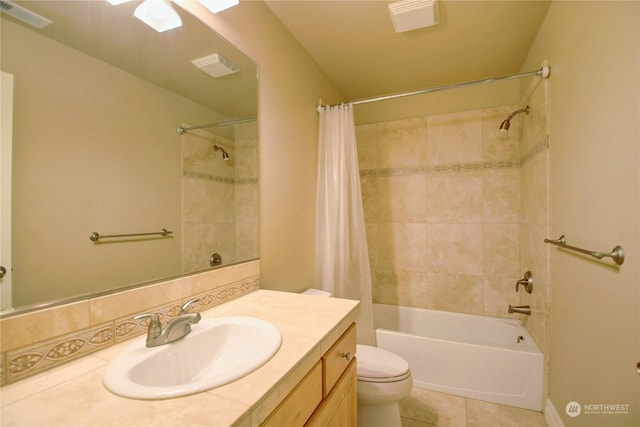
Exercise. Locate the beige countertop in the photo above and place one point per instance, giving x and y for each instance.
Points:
(73, 394)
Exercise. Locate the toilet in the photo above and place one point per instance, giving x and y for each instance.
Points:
(384, 379)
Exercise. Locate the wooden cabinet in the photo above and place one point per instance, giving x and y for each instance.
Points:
(327, 395)
(339, 408)
(300, 404)
(335, 361)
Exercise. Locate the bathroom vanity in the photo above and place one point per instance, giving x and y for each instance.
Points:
(327, 396)
(311, 380)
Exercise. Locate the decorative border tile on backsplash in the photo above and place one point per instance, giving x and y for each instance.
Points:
(38, 357)
(127, 328)
(226, 293)
(29, 360)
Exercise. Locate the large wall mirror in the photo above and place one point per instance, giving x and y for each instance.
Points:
(98, 97)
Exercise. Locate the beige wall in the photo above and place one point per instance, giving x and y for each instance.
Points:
(594, 104)
(289, 88)
(74, 120)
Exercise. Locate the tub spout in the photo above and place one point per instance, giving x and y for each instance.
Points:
(522, 309)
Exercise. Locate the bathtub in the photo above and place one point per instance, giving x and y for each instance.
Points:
(486, 358)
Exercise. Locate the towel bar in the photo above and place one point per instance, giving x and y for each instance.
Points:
(95, 236)
(617, 254)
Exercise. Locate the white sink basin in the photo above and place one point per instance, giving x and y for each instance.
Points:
(216, 352)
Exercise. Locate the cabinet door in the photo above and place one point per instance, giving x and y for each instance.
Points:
(335, 361)
(340, 407)
(301, 402)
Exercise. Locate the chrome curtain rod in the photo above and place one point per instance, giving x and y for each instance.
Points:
(182, 130)
(542, 72)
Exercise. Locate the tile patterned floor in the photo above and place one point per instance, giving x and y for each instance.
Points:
(426, 408)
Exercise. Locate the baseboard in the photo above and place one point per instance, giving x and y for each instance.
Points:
(551, 416)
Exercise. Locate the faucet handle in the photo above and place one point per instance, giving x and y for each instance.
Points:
(153, 317)
(155, 327)
(527, 282)
(185, 307)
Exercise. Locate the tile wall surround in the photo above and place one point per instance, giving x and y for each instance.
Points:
(457, 211)
(441, 197)
(534, 217)
(443, 201)
(219, 206)
(41, 340)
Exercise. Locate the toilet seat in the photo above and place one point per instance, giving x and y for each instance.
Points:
(376, 365)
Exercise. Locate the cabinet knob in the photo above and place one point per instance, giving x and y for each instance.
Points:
(346, 355)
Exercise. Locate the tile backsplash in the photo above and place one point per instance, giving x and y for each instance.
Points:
(40, 340)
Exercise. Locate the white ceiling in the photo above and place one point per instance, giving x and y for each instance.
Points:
(355, 45)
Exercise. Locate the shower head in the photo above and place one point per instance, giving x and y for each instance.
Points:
(225, 155)
(506, 123)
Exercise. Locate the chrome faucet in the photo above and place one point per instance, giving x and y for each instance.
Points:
(177, 328)
(522, 309)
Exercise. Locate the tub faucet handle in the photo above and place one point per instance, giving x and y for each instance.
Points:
(527, 282)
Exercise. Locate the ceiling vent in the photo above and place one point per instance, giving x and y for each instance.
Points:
(216, 65)
(24, 15)
(410, 15)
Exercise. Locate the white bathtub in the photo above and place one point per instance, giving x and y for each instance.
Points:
(486, 358)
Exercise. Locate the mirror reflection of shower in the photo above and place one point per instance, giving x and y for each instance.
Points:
(219, 188)
(225, 155)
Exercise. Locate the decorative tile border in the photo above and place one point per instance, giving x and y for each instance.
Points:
(540, 147)
(126, 327)
(207, 177)
(214, 178)
(24, 362)
(459, 167)
(226, 293)
(246, 181)
(453, 167)
(45, 355)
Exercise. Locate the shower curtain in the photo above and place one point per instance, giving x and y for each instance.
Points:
(342, 260)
